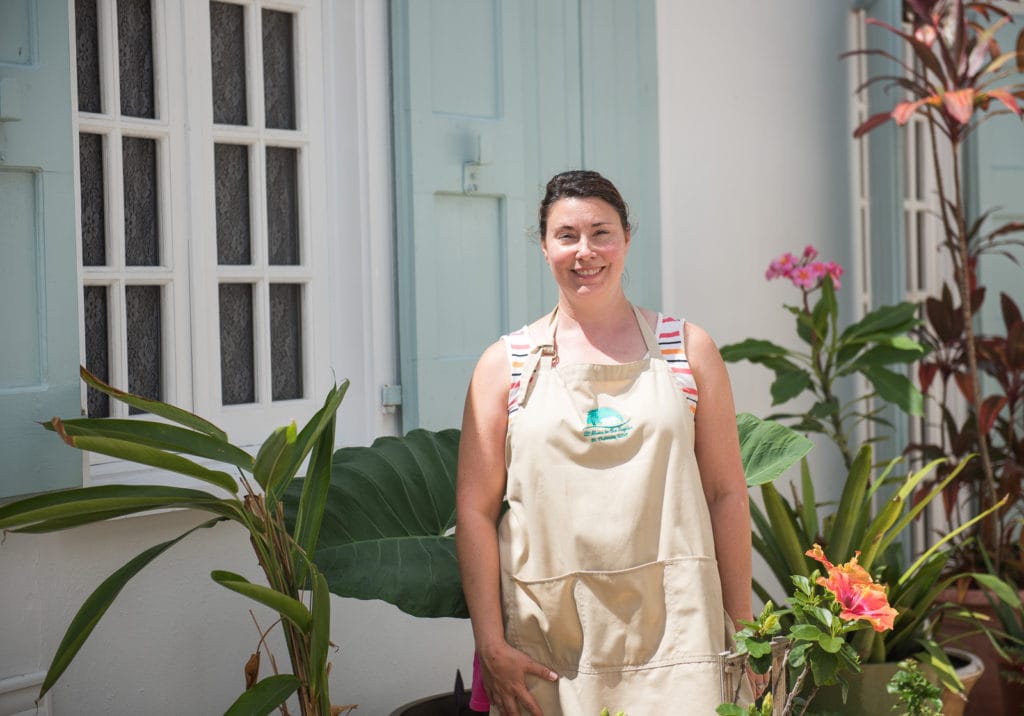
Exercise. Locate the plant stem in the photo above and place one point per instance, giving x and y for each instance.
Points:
(961, 270)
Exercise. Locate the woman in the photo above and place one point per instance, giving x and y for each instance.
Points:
(610, 431)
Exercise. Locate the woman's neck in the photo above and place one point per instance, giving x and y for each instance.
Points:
(594, 311)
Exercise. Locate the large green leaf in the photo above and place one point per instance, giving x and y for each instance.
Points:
(310, 436)
(752, 349)
(318, 435)
(265, 696)
(288, 607)
(895, 388)
(852, 506)
(789, 384)
(132, 451)
(161, 436)
(767, 448)
(164, 410)
(388, 528)
(98, 502)
(882, 324)
(96, 605)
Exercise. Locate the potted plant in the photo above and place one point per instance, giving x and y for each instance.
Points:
(388, 530)
(784, 528)
(807, 646)
(296, 588)
(957, 79)
(832, 357)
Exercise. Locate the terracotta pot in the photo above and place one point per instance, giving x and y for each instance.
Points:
(990, 697)
(868, 696)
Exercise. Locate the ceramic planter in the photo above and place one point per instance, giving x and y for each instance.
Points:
(991, 697)
(868, 696)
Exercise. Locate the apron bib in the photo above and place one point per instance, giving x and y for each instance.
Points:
(608, 570)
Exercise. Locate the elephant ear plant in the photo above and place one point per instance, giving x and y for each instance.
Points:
(251, 497)
(389, 528)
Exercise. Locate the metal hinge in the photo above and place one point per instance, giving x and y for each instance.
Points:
(390, 397)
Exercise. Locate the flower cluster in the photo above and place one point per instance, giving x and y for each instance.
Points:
(859, 596)
(804, 272)
(817, 630)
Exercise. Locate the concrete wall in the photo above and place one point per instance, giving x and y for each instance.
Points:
(754, 142)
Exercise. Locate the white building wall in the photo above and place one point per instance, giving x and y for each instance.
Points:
(754, 162)
(755, 137)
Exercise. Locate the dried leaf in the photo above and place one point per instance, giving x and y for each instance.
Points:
(346, 709)
(252, 670)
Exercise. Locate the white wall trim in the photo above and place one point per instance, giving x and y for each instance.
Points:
(18, 696)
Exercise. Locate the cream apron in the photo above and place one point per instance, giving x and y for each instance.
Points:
(608, 571)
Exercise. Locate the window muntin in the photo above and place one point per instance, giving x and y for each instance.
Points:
(201, 298)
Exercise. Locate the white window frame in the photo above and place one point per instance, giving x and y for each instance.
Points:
(189, 271)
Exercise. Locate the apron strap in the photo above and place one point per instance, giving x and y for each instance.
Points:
(651, 340)
(540, 355)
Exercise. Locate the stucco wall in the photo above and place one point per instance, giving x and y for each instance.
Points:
(754, 142)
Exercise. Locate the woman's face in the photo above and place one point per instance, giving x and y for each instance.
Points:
(585, 245)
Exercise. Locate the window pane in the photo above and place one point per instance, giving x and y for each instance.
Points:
(141, 220)
(286, 340)
(282, 206)
(87, 43)
(143, 326)
(97, 348)
(237, 372)
(227, 50)
(278, 70)
(231, 168)
(135, 57)
(94, 222)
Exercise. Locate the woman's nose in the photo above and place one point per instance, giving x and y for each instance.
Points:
(584, 248)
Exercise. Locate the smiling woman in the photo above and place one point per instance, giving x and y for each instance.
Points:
(623, 561)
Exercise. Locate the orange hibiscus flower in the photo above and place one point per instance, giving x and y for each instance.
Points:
(859, 596)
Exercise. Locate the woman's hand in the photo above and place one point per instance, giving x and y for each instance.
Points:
(504, 671)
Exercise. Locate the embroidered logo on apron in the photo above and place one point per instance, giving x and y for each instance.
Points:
(606, 424)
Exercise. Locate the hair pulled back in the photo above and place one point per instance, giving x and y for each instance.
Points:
(581, 184)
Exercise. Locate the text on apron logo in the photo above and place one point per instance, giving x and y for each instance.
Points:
(606, 424)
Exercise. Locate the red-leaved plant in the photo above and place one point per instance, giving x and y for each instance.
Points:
(959, 78)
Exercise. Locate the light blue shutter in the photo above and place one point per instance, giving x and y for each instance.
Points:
(39, 309)
(524, 89)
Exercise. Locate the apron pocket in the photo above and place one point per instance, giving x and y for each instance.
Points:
(657, 613)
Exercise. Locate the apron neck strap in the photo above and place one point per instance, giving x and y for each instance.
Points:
(543, 352)
(651, 340)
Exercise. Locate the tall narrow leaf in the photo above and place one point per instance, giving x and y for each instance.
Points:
(265, 696)
(288, 607)
(96, 605)
(155, 407)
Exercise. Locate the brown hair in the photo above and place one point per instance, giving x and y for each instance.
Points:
(581, 184)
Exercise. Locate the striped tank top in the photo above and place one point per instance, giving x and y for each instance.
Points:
(670, 340)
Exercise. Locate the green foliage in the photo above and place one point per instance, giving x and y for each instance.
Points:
(297, 590)
(917, 696)
(817, 650)
(866, 348)
(784, 528)
(389, 528)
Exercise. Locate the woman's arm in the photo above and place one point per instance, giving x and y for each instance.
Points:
(718, 457)
(480, 489)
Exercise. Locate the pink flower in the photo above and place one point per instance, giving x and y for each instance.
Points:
(859, 596)
(805, 272)
(803, 277)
